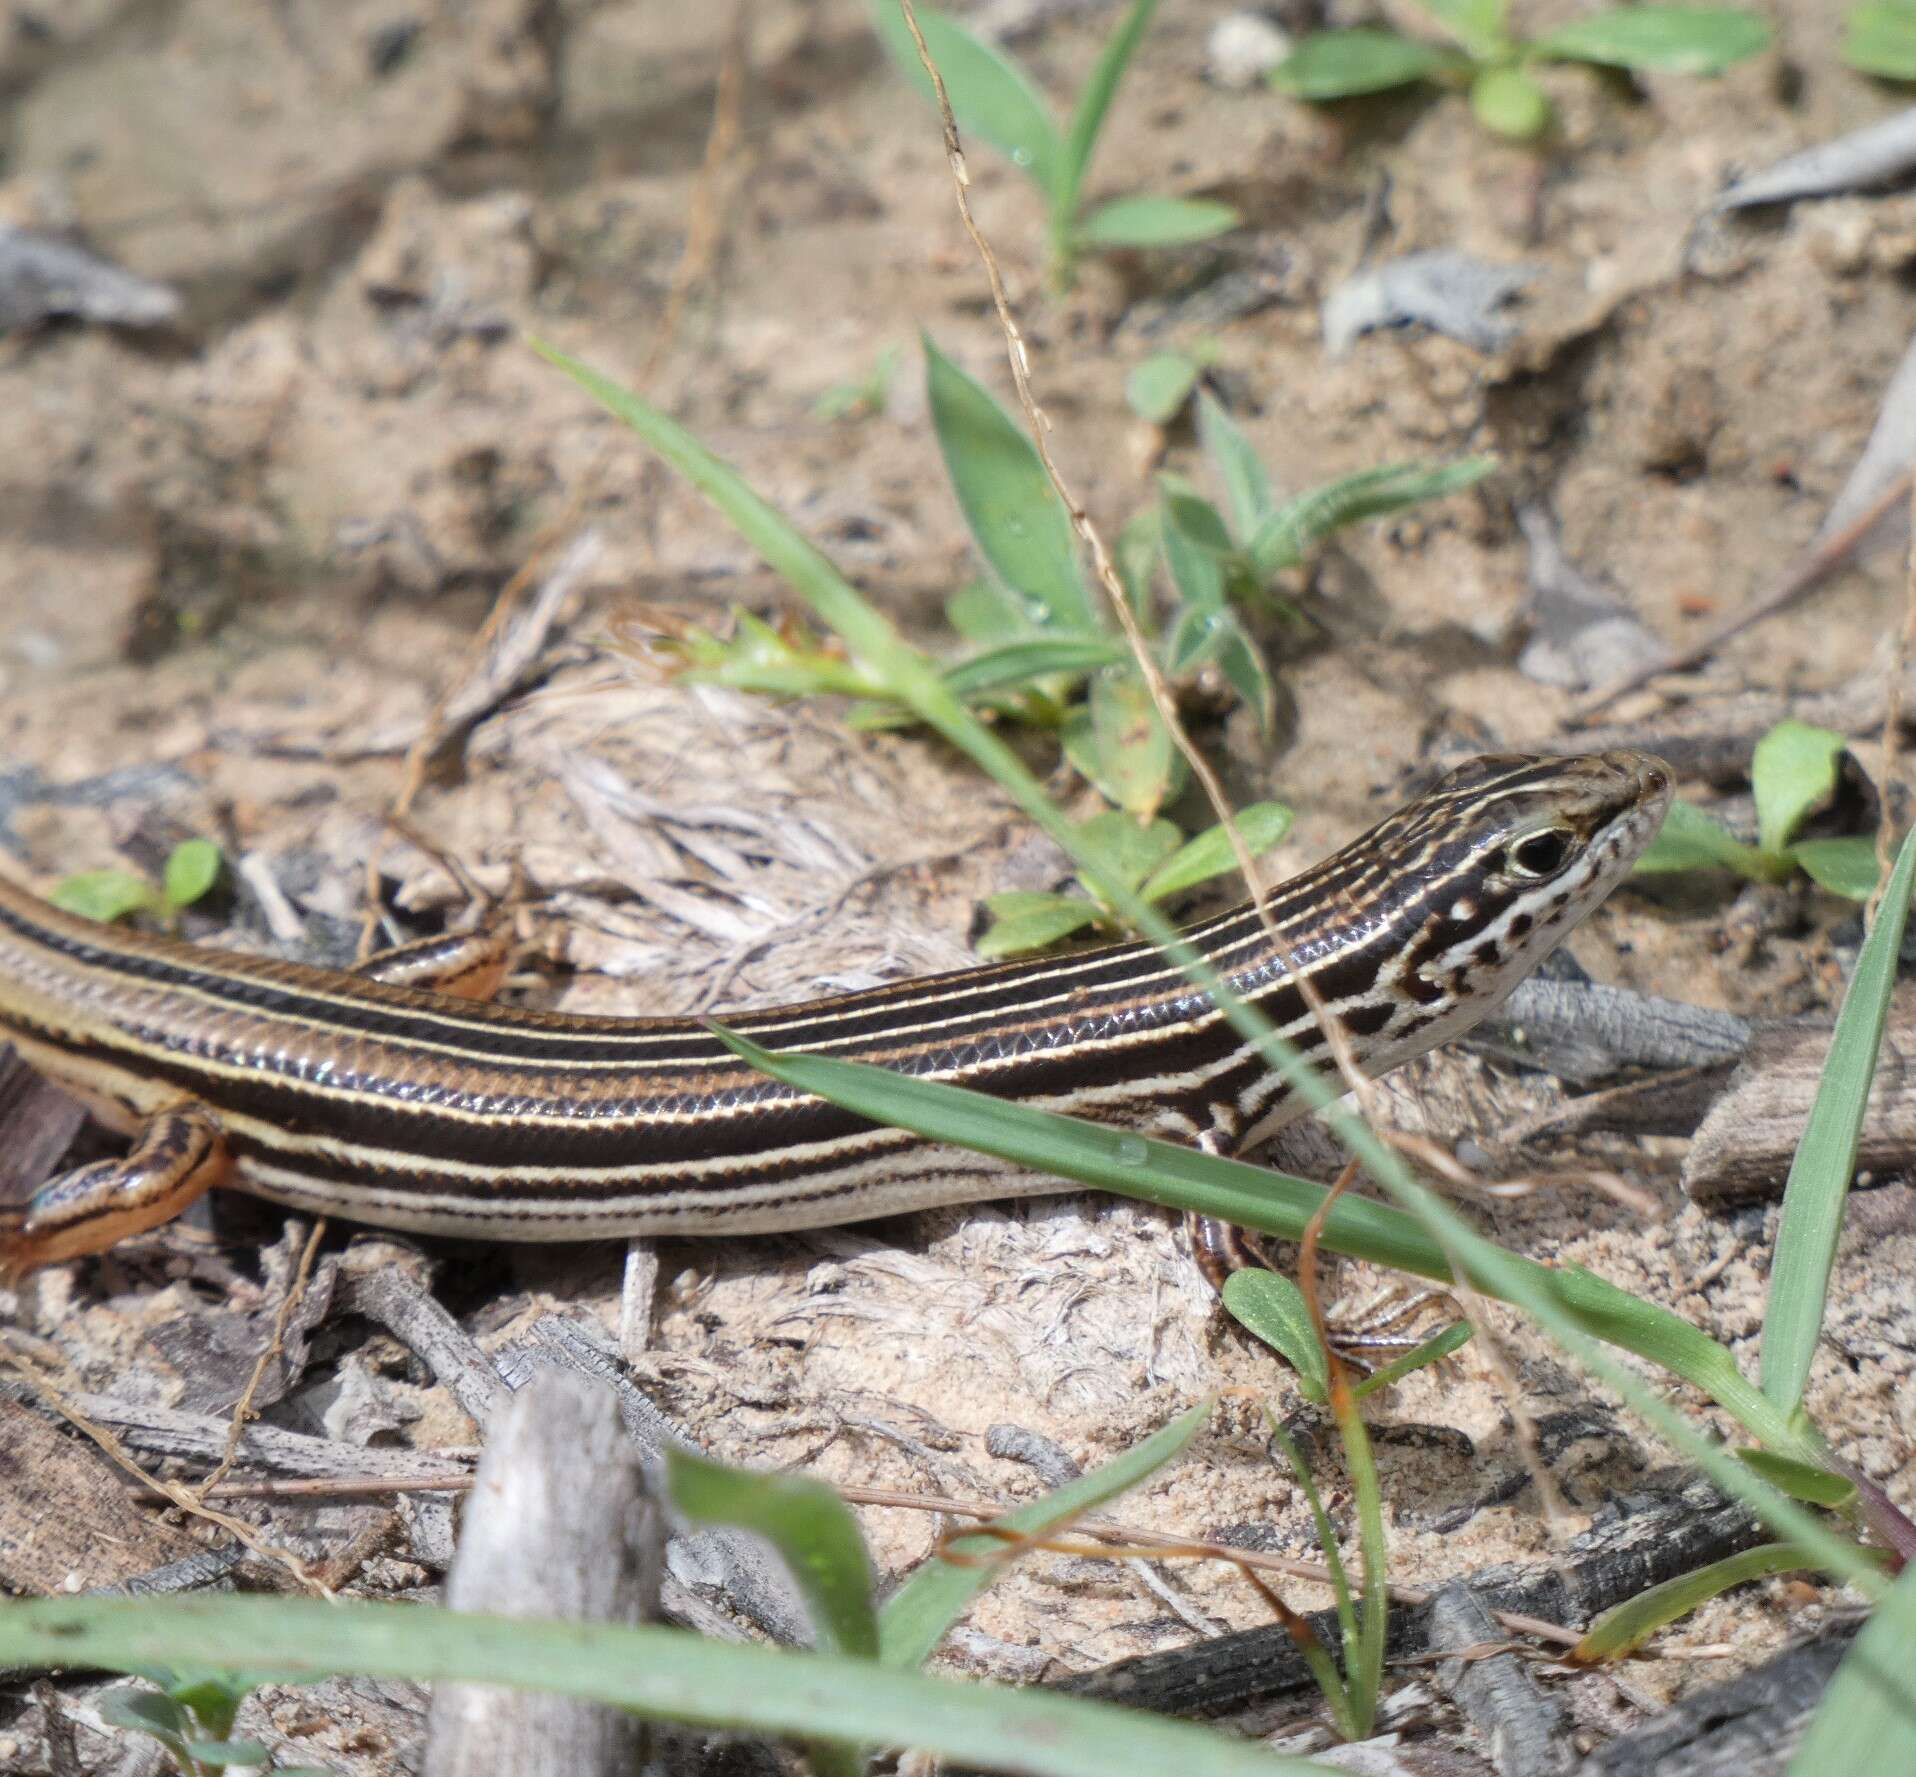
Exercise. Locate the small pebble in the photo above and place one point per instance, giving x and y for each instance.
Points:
(1243, 47)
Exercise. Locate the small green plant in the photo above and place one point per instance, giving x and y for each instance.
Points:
(994, 99)
(1044, 650)
(1154, 862)
(860, 397)
(1486, 58)
(1159, 386)
(191, 1714)
(1794, 771)
(192, 867)
(1879, 37)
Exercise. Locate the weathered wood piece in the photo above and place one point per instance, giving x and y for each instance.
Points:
(560, 1525)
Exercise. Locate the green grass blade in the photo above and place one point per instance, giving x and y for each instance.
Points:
(1825, 1160)
(807, 1523)
(991, 96)
(1633, 1622)
(1247, 484)
(1867, 1719)
(1017, 663)
(665, 1673)
(916, 1616)
(1016, 518)
(1094, 101)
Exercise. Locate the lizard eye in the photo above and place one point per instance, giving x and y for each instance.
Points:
(1541, 854)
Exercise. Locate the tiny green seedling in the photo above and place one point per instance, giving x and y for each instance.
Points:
(1794, 771)
(1153, 861)
(191, 1714)
(1045, 652)
(1879, 37)
(860, 397)
(192, 868)
(994, 99)
(1494, 65)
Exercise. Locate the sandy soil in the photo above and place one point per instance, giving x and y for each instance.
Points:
(248, 553)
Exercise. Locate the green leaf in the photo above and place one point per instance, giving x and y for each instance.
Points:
(1862, 1723)
(1199, 636)
(807, 1523)
(1844, 866)
(1137, 564)
(916, 1616)
(1094, 102)
(1507, 101)
(1155, 222)
(1273, 1308)
(1160, 386)
(1027, 921)
(988, 613)
(1819, 1181)
(1433, 1350)
(1692, 840)
(1120, 744)
(1018, 663)
(1794, 771)
(1262, 825)
(1196, 549)
(1480, 26)
(1800, 1480)
(1879, 37)
(192, 868)
(1288, 534)
(1016, 518)
(1660, 39)
(1128, 851)
(1342, 64)
(1242, 663)
(148, 1712)
(665, 1673)
(104, 894)
(228, 1752)
(991, 96)
(1629, 1625)
(1247, 487)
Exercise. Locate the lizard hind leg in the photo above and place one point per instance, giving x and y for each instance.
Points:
(178, 1155)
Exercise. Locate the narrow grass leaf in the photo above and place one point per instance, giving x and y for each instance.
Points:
(1660, 39)
(1247, 484)
(1433, 1350)
(1156, 222)
(1343, 64)
(1800, 1480)
(1864, 1722)
(1629, 1625)
(1794, 771)
(807, 1523)
(1015, 516)
(1333, 1684)
(668, 1674)
(1290, 532)
(1242, 663)
(1017, 663)
(991, 96)
(1094, 102)
(1262, 825)
(1819, 1181)
(916, 1616)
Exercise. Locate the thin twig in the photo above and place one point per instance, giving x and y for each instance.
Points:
(243, 1412)
(1801, 578)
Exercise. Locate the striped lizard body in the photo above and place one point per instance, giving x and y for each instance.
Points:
(346, 1096)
